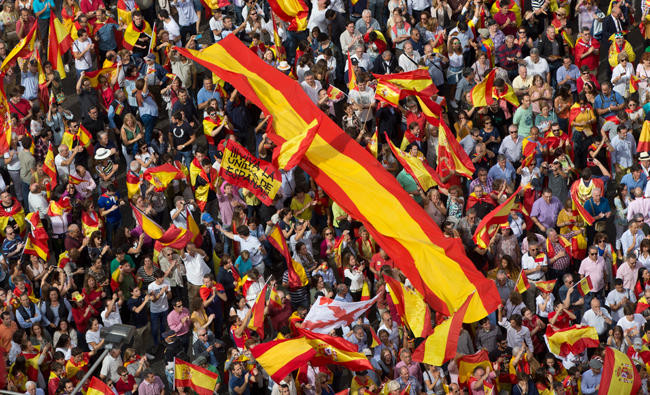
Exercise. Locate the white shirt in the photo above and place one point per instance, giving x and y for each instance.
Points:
(38, 201)
(186, 12)
(112, 319)
(252, 245)
(614, 297)
(528, 262)
(356, 279)
(317, 19)
(622, 86)
(195, 268)
(539, 68)
(409, 63)
(62, 170)
(312, 91)
(217, 25)
(93, 337)
(548, 308)
(86, 61)
(590, 318)
(637, 322)
(174, 30)
(161, 304)
(109, 367)
(366, 97)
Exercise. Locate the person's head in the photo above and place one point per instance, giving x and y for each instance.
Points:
(406, 356)
(534, 55)
(525, 101)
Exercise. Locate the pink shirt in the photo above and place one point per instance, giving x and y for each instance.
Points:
(628, 275)
(595, 270)
(174, 320)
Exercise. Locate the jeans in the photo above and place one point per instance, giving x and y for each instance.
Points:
(185, 156)
(158, 326)
(149, 121)
(187, 31)
(110, 230)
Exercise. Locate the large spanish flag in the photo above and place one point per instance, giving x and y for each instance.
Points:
(23, 49)
(297, 274)
(441, 345)
(424, 175)
(574, 339)
(489, 225)
(484, 93)
(161, 176)
(364, 190)
(410, 306)
(333, 350)
(93, 76)
(387, 93)
(293, 11)
(201, 380)
(416, 82)
(619, 376)
(148, 225)
(450, 150)
(98, 387)
(467, 364)
(281, 357)
(59, 43)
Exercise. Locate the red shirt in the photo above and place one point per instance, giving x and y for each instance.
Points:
(420, 119)
(562, 322)
(378, 261)
(22, 108)
(591, 61)
(501, 19)
(123, 387)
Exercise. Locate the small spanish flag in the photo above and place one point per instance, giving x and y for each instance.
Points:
(281, 357)
(365, 291)
(352, 77)
(98, 387)
(584, 286)
(634, 83)
(546, 286)
(467, 364)
(522, 283)
(256, 321)
(132, 183)
(93, 76)
(334, 93)
(274, 298)
(641, 305)
(387, 93)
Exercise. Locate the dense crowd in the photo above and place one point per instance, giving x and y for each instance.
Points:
(575, 140)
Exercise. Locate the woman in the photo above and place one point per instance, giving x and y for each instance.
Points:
(434, 380)
(643, 258)
(200, 318)
(506, 263)
(269, 58)
(481, 67)
(621, 75)
(617, 340)
(93, 293)
(455, 204)
(366, 245)
(93, 335)
(606, 252)
(105, 89)
(131, 133)
(146, 156)
(506, 244)
(536, 327)
(463, 126)
(586, 10)
(353, 273)
(546, 118)
(64, 329)
(55, 309)
(36, 270)
(146, 271)
(586, 78)
(239, 308)
(434, 206)
(540, 93)
(17, 378)
(328, 244)
(40, 337)
(98, 249)
(63, 344)
(642, 283)
(69, 13)
(643, 73)
(456, 64)
(635, 115)
(385, 366)
(320, 288)
(91, 220)
(514, 304)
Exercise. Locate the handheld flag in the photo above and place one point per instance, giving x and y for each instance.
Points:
(352, 77)
(546, 286)
(574, 339)
(522, 283)
(619, 376)
(489, 225)
(98, 387)
(293, 11)
(584, 286)
(449, 149)
(297, 275)
(199, 379)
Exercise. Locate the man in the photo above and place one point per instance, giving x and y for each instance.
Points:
(608, 102)
(635, 178)
(523, 117)
(597, 317)
(591, 378)
(502, 170)
(558, 256)
(624, 151)
(110, 365)
(208, 346)
(179, 321)
(612, 24)
(170, 26)
(587, 51)
(406, 361)
(568, 74)
(27, 167)
(82, 49)
(508, 53)
(631, 239)
(594, 267)
(522, 82)
(12, 245)
(551, 48)
(109, 208)
(151, 384)
(618, 298)
(464, 85)
(196, 268)
(537, 65)
(207, 93)
(517, 334)
(311, 86)
(350, 37)
(182, 136)
(7, 330)
(185, 105)
(504, 285)
(400, 32)
(363, 100)
(545, 210)
(557, 181)
(27, 313)
(570, 296)
(534, 265)
(628, 271)
(239, 381)
(599, 209)
(137, 305)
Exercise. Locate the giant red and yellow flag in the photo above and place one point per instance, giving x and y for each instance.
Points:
(334, 350)
(59, 43)
(489, 225)
(484, 93)
(424, 175)
(619, 376)
(574, 339)
(467, 364)
(5, 120)
(297, 274)
(410, 306)
(281, 357)
(441, 345)
(23, 49)
(256, 321)
(161, 176)
(363, 190)
(416, 82)
(148, 225)
(98, 387)
(449, 149)
(644, 138)
(293, 11)
(201, 380)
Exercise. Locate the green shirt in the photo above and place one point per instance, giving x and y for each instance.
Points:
(523, 118)
(115, 264)
(408, 183)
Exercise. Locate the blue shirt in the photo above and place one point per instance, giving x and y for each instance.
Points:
(243, 266)
(29, 80)
(238, 382)
(106, 202)
(40, 5)
(603, 101)
(628, 180)
(206, 95)
(149, 106)
(589, 382)
(497, 173)
(596, 209)
(573, 72)
(106, 35)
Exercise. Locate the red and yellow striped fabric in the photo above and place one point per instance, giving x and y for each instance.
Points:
(133, 182)
(522, 283)
(467, 364)
(644, 138)
(297, 275)
(584, 286)
(22, 50)
(574, 339)
(489, 225)
(411, 308)
(619, 376)
(149, 226)
(424, 175)
(450, 151)
(295, 12)
(417, 82)
(93, 76)
(132, 33)
(363, 190)
(161, 176)
(256, 321)
(334, 350)
(281, 357)
(59, 43)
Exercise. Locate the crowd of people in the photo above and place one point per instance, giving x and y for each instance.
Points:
(577, 141)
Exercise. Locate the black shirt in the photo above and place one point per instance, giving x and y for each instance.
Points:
(138, 319)
(181, 135)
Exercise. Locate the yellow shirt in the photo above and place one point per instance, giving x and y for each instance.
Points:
(297, 205)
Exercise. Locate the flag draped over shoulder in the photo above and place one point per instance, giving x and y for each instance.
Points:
(295, 12)
(619, 376)
(484, 93)
(574, 339)
(489, 225)
(23, 49)
(199, 379)
(132, 33)
(243, 169)
(363, 190)
(441, 345)
(59, 42)
(424, 175)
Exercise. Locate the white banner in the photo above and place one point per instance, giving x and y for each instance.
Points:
(327, 314)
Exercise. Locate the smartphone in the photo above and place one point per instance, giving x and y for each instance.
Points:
(199, 36)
